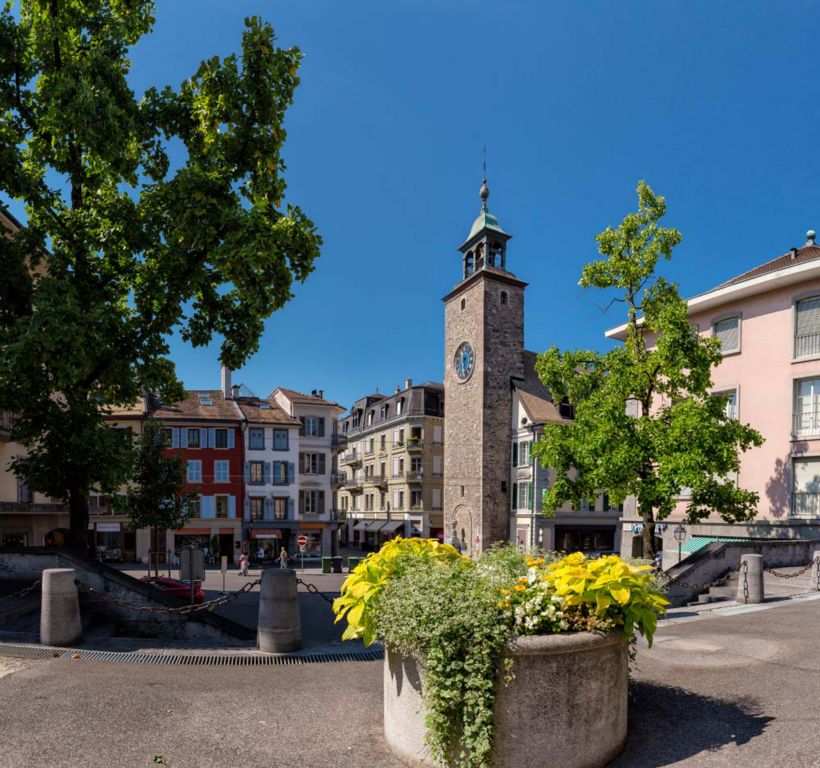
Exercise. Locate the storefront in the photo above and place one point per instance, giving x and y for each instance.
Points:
(216, 542)
(270, 541)
(599, 539)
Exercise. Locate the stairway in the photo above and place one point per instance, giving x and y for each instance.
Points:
(773, 586)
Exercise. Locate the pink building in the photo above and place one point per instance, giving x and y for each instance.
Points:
(768, 320)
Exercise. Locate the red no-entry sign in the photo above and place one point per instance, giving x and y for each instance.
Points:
(301, 541)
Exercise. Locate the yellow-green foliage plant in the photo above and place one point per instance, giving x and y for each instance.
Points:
(365, 583)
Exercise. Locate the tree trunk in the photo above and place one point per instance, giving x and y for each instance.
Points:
(78, 520)
(648, 517)
(155, 532)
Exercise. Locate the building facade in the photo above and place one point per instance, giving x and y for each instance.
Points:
(316, 516)
(768, 322)
(391, 467)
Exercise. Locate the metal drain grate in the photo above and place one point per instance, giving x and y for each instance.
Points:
(249, 659)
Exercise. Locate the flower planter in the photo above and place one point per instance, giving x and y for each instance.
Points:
(565, 707)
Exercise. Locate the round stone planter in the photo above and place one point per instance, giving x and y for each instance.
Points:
(565, 707)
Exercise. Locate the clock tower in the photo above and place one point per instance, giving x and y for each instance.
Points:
(484, 345)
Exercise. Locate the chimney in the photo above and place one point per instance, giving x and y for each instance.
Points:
(226, 381)
(235, 391)
(810, 235)
(320, 394)
(408, 383)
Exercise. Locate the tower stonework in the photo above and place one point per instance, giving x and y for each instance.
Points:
(484, 343)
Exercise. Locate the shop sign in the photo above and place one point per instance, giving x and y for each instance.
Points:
(108, 527)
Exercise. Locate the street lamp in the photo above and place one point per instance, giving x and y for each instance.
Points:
(680, 534)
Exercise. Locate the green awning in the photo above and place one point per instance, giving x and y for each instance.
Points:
(699, 542)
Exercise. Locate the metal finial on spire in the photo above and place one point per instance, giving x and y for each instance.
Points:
(485, 190)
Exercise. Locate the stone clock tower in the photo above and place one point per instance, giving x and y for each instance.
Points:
(484, 344)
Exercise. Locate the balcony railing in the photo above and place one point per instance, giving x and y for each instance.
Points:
(338, 440)
(415, 477)
(417, 507)
(806, 504)
(351, 457)
(352, 483)
(806, 423)
(415, 443)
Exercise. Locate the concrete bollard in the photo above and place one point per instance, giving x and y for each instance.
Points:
(280, 627)
(750, 579)
(60, 608)
(815, 571)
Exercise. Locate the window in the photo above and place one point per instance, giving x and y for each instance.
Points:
(727, 332)
(398, 467)
(24, 494)
(221, 471)
(280, 440)
(438, 466)
(438, 434)
(221, 506)
(257, 473)
(280, 473)
(370, 445)
(383, 443)
(523, 495)
(806, 487)
(220, 438)
(312, 502)
(314, 426)
(415, 464)
(370, 418)
(166, 436)
(398, 438)
(400, 406)
(195, 508)
(257, 507)
(807, 408)
(398, 500)
(194, 471)
(280, 508)
(415, 500)
(312, 463)
(193, 438)
(731, 402)
(523, 454)
(256, 439)
(436, 498)
(503, 297)
(807, 328)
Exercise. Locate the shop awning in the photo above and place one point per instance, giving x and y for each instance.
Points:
(375, 525)
(360, 526)
(391, 525)
(257, 532)
(699, 542)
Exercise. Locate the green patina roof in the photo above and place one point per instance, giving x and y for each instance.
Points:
(485, 220)
(699, 542)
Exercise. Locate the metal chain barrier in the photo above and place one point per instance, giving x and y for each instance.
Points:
(794, 575)
(745, 568)
(184, 609)
(314, 590)
(706, 585)
(22, 592)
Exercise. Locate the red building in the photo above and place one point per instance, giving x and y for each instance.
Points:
(205, 429)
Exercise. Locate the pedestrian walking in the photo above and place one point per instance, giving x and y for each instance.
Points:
(260, 554)
(283, 558)
(243, 564)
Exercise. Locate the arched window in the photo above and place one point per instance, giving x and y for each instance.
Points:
(469, 264)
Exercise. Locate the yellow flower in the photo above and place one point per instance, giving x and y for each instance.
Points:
(520, 588)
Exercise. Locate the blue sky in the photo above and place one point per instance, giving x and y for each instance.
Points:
(714, 103)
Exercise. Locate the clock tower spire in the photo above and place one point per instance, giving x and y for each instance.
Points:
(484, 344)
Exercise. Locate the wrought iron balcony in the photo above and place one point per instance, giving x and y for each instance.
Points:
(415, 477)
(338, 441)
(806, 423)
(352, 483)
(415, 444)
(351, 457)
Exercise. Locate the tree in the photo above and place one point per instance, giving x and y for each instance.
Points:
(120, 249)
(155, 498)
(645, 422)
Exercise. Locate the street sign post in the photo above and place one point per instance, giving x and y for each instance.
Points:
(224, 568)
(302, 542)
(191, 566)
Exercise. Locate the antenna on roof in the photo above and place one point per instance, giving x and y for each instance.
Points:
(810, 235)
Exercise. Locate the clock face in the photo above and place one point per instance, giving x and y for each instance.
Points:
(464, 360)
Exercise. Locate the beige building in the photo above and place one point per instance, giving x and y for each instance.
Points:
(391, 466)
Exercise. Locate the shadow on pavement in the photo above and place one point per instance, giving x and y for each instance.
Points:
(669, 724)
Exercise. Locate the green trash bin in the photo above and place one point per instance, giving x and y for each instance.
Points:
(326, 564)
(337, 564)
(352, 562)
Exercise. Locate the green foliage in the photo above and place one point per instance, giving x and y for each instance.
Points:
(645, 421)
(448, 616)
(120, 250)
(156, 496)
(361, 590)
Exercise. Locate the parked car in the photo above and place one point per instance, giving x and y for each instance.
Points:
(176, 588)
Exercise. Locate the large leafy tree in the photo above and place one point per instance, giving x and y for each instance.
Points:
(156, 498)
(121, 246)
(646, 423)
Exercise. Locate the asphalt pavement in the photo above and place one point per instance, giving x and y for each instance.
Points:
(733, 687)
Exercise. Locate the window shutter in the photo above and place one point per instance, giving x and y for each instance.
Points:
(266, 472)
(321, 426)
(268, 508)
(302, 425)
(436, 498)
(247, 471)
(302, 463)
(183, 438)
(301, 502)
(321, 507)
(437, 434)
(515, 496)
(728, 333)
(208, 506)
(530, 496)
(322, 464)
(211, 437)
(231, 438)
(174, 438)
(291, 472)
(807, 331)
(290, 509)
(231, 506)
(247, 508)
(515, 454)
